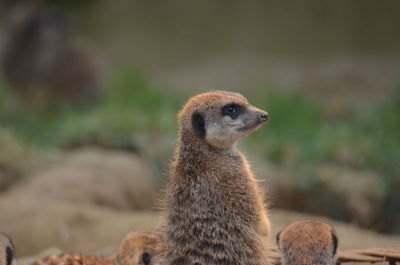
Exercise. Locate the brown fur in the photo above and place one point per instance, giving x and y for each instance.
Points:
(308, 243)
(214, 208)
(137, 248)
(75, 259)
(137, 244)
(7, 251)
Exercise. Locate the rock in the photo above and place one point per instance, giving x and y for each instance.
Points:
(342, 193)
(41, 254)
(15, 159)
(92, 176)
(38, 224)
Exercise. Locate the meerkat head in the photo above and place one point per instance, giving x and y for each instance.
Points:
(308, 243)
(219, 118)
(139, 248)
(7, 250)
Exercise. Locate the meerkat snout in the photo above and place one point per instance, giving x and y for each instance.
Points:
(7, 250)
(263, 116)
(308, 243)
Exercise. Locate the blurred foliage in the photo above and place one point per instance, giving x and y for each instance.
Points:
(310, 148)
(299, 138)
(130, 105)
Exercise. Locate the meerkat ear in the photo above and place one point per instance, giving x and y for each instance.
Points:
(198, 125)
(334, 241)
(145, 258)
(9, 255)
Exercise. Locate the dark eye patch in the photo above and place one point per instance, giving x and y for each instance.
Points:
(233, 110)
(198, 125)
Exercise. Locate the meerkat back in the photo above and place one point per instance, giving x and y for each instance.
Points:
(308, 243)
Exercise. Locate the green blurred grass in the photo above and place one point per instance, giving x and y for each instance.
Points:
(300, 138)
(297, 135)
(130, 105)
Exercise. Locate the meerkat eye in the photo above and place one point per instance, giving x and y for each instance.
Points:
(232, 110)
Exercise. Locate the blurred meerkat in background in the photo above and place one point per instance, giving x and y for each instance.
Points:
(41, 61)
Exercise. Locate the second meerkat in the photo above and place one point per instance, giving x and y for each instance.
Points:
(215, 212)
(137, 248)
(308, 243)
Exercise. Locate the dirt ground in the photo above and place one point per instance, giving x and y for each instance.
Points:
(73, 205)
(92, 230)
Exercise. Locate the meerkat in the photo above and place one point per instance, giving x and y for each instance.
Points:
(140, 248)
(308, 243)
(214, 210)
(42, 61)
(137, 248)
(7, 251)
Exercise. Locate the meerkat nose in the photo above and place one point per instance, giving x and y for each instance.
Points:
(263, 116)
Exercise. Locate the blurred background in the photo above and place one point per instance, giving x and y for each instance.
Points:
(89, 92)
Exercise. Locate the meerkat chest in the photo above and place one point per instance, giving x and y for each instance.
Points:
(211, 224)
(216, 196)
